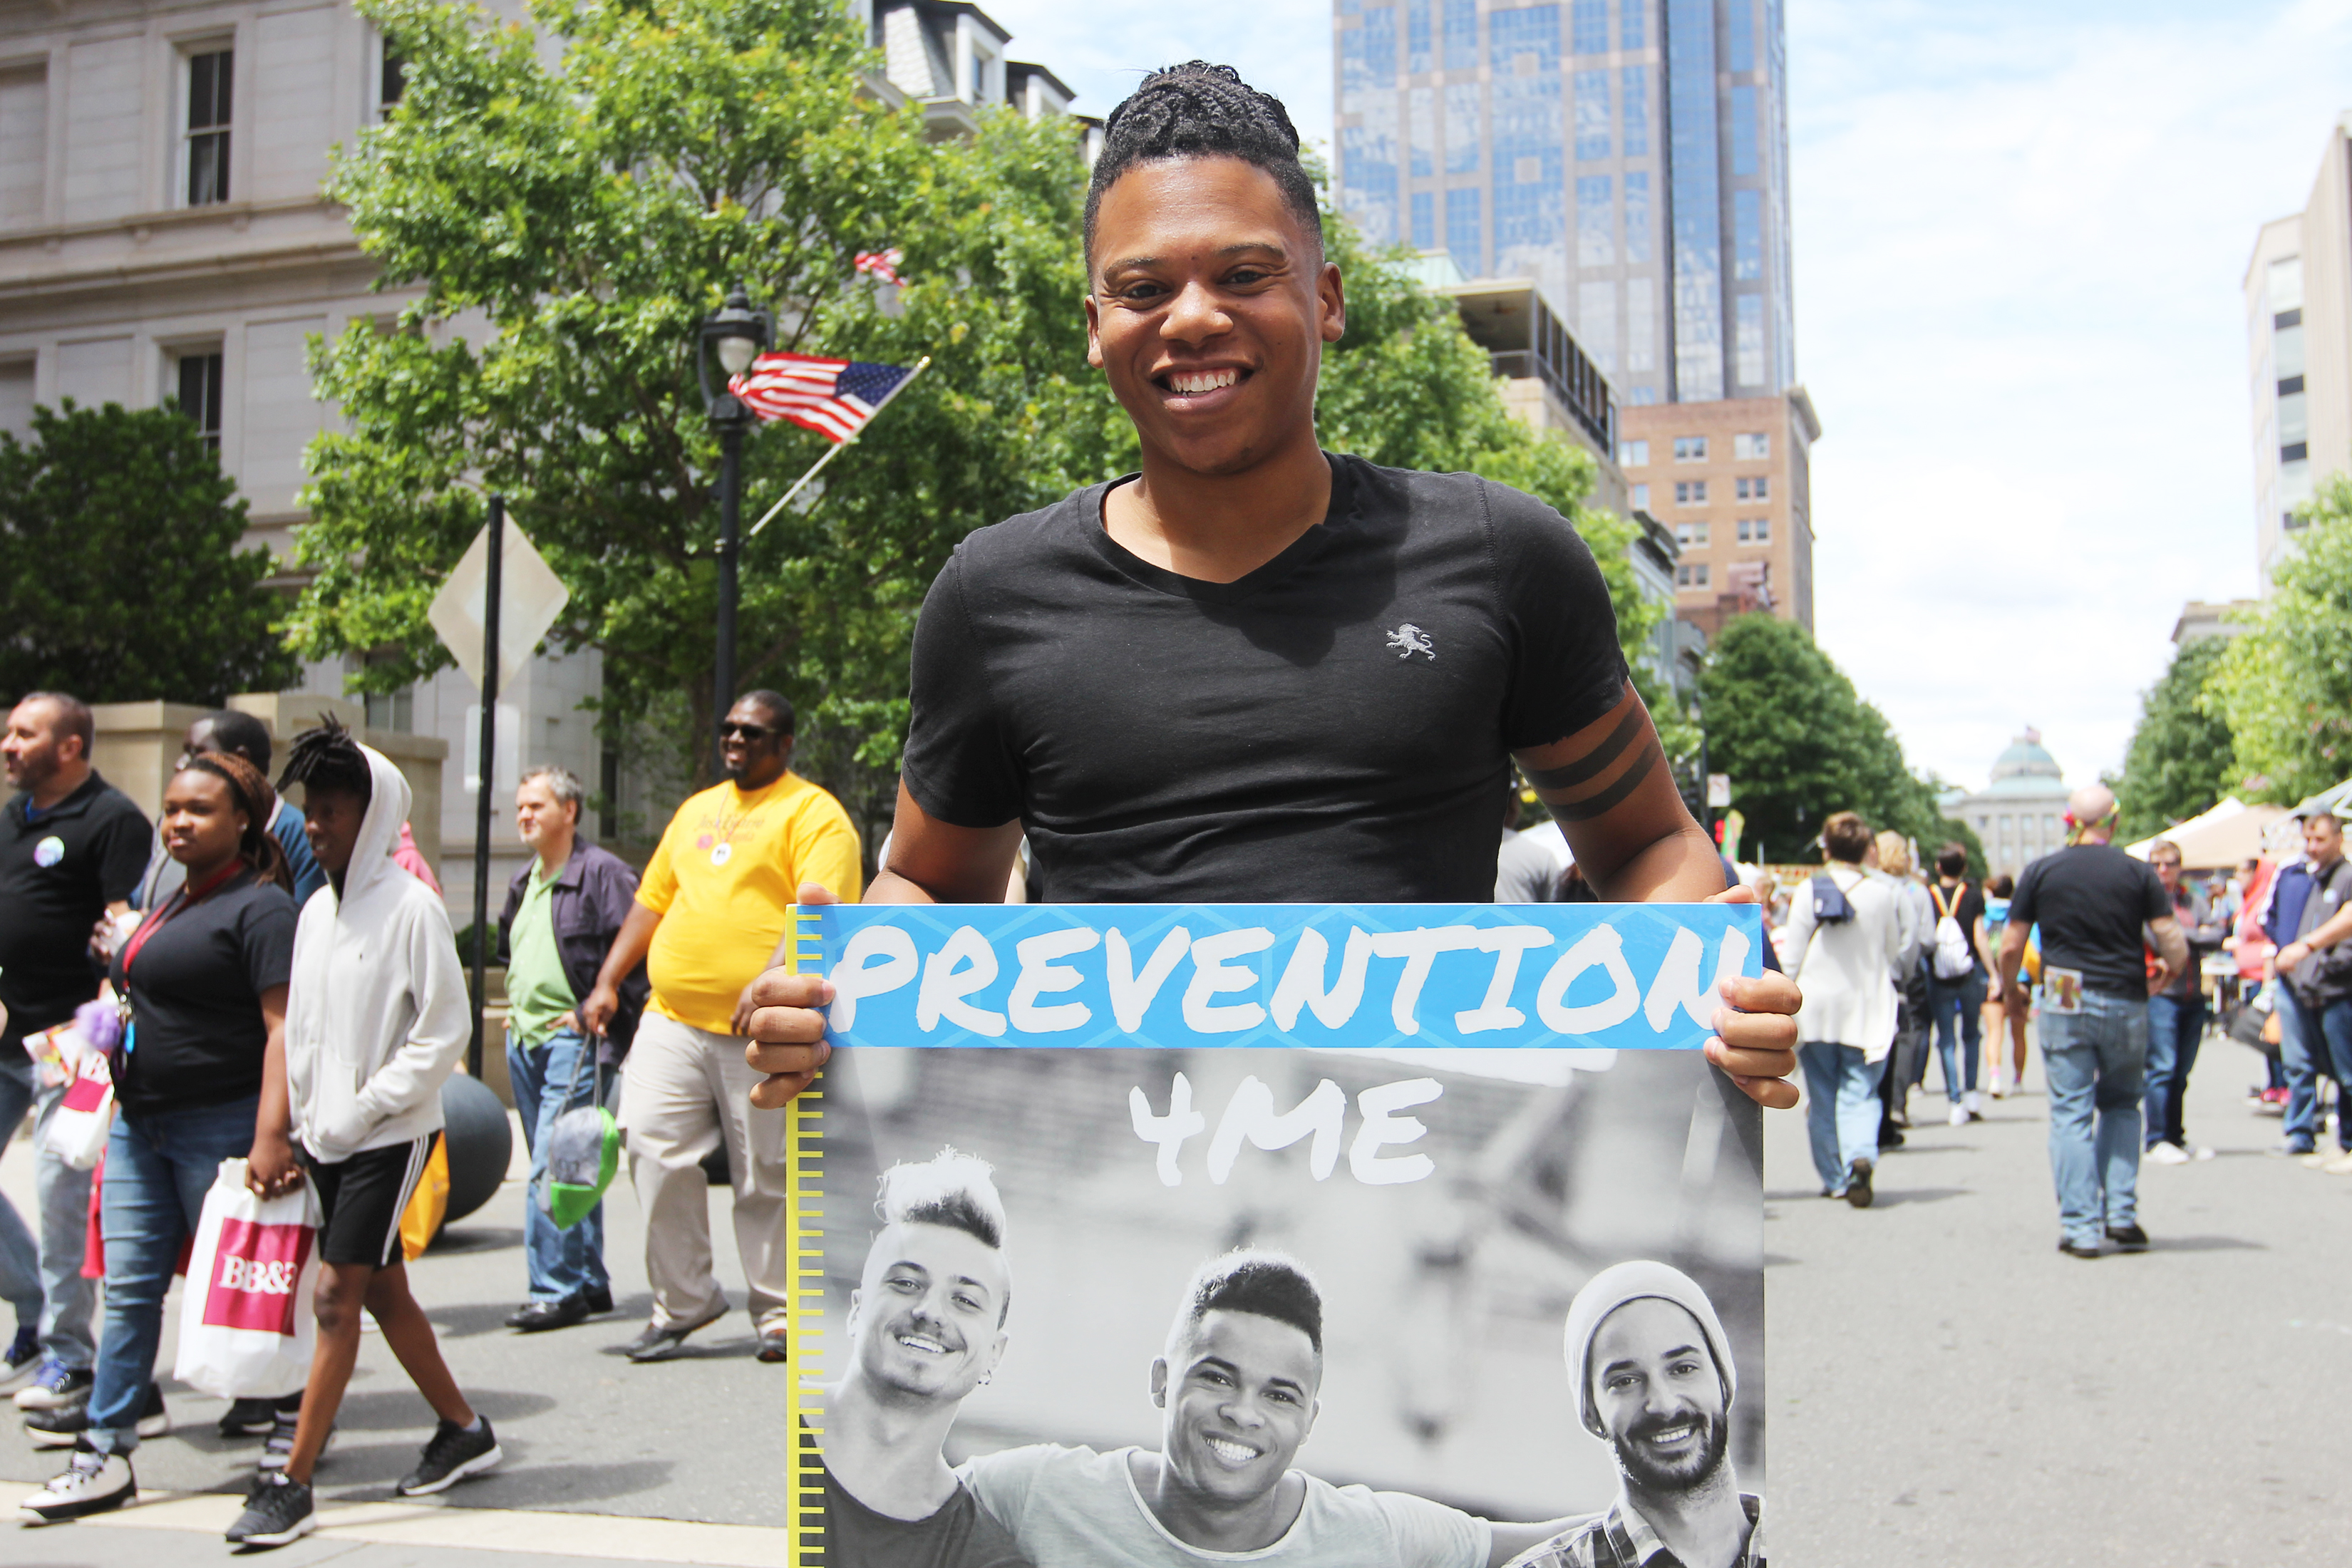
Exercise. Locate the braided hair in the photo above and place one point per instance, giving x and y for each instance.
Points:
(326, 757)
(257, 847)
(1200, 110)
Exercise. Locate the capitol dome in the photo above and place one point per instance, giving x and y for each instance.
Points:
(2026, 768)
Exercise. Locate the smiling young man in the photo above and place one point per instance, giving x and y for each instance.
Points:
(1256, 670)
(926, 1327)
(1653, 1378)
(1237, 1389)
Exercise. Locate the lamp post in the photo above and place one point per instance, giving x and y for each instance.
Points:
(733, 335)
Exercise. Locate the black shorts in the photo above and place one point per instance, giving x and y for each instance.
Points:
(360, 1201)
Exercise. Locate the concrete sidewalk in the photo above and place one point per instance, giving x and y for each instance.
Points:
(1949, 1388)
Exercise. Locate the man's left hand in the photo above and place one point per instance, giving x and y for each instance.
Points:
(2290, 955)
(1756, 1036)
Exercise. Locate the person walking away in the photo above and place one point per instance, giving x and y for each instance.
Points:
(562, 912)
(2315, 971)
(2176, 1014)
(1890, 855)
(2091, 901)
(2006, 1035)
(202, 1079)
(227, 729)
(1958, 981)
(707, 920)
(376, 1015)
(72, 847)
(1846, 932)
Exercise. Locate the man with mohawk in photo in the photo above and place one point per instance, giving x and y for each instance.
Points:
(926, 1327)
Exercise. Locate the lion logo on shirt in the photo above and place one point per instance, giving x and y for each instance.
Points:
(1409, 639)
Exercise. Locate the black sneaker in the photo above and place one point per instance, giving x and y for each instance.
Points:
(599, 1299)
(278, 1447)
(278, 1512)
(453, 1454)
(63, 1428)
(2084, 1249)
(2130, 1237)
(1857, 1184)
(248, 1418)
(24, 1351)
(93, 1483)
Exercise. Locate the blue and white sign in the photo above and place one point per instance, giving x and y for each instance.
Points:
(1362, 977)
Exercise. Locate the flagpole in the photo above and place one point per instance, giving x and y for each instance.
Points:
(920, 365)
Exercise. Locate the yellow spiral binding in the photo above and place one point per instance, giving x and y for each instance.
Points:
(805, 1192)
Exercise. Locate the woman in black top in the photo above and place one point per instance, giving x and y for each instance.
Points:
(204, 976)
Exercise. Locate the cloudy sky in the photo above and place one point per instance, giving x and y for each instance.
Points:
(2020, 232)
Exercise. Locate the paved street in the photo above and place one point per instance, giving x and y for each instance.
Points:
(1947, 1388)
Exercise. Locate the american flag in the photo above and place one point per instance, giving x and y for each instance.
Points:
(833, 397)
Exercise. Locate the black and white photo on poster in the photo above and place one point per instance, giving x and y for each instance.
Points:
(1111, 1307)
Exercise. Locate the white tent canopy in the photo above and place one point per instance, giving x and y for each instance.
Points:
(2223, 837)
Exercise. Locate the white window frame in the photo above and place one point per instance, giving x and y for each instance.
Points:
(185, 52)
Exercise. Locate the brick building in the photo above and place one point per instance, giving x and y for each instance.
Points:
(1732, 478)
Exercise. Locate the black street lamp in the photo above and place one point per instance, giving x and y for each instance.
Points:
(733, 334)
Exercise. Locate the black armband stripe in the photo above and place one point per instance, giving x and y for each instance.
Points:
(1610, 798)
(1567, 775)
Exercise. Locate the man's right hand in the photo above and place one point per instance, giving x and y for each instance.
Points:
(787, 1028)
(597, 1012)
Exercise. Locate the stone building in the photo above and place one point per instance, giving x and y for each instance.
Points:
(2020, 814)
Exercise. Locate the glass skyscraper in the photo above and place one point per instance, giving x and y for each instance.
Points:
(1630, 155)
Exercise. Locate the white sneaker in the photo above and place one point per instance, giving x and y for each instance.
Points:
(1960, 1117)
(2165, 1154)
(2198, 1151)
(93, 1483)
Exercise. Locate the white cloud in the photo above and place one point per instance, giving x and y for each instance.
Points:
(2020, 234)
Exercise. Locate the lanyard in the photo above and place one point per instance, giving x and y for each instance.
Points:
(185, 898)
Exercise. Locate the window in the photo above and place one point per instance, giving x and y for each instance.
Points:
(979, 77)
(1632, 19)
(1589, 20)
(1757, 488)
(1691, 574)
(1634, 454)
(1633, 82)
(1640, 499)
(1637, 224)
(1691, 535)
(200, 393)
(391, 83)
(1690, 493)
(1755, 531)
(2283, 284)
(1690, 448)
(1747, 234)
(2286, 353)
(1743, 129)
(393, 710)
(1596, 243)
(1751, 448)
(209, 80)
(1591, 98)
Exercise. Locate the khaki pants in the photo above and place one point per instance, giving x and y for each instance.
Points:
(684, 1089)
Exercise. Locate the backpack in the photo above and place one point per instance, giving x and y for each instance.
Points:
(1830, 905)
(1953, 959)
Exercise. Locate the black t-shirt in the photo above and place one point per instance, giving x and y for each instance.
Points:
(2091, 900)
(1336, 727)
(1967, 908)
(197, 1036)
(57, 873)
(961, 1534)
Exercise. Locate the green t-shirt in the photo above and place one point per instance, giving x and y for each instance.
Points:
(537, 993)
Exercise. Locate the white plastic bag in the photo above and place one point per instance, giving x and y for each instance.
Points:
(247, 1329)
(78, 1127)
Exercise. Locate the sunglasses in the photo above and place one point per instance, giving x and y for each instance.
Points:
(730, 730)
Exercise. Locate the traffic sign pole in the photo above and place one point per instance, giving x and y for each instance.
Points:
(486, 774)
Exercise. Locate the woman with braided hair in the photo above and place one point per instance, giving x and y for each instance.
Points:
(201, 1079)
(1339, 662)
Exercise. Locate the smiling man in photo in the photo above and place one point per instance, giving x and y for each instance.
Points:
(1654, 1377)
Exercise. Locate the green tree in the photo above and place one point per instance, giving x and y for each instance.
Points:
(1800, 744)
(119, 540)
(2180, 759)
(2285, 685)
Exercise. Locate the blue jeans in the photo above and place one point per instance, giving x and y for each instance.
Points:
(2096, 1063)
(563, 1263)
(1841, 1107)
(2314, 1042)
(58, 1297)
(157, 1169)
(1966, 997)
(2176, 1027)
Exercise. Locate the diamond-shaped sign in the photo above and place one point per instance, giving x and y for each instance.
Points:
(532, 595)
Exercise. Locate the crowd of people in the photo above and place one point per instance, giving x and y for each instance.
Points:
(2125, 967)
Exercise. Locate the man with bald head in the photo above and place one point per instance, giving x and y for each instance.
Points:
(1653, 1378)
(2099, 910)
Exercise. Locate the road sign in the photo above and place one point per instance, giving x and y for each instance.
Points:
(1718, 791)
(530, 597)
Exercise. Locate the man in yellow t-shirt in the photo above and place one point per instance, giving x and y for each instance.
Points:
(708, 917)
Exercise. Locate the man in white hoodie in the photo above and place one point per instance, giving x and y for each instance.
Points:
(375, 1017)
